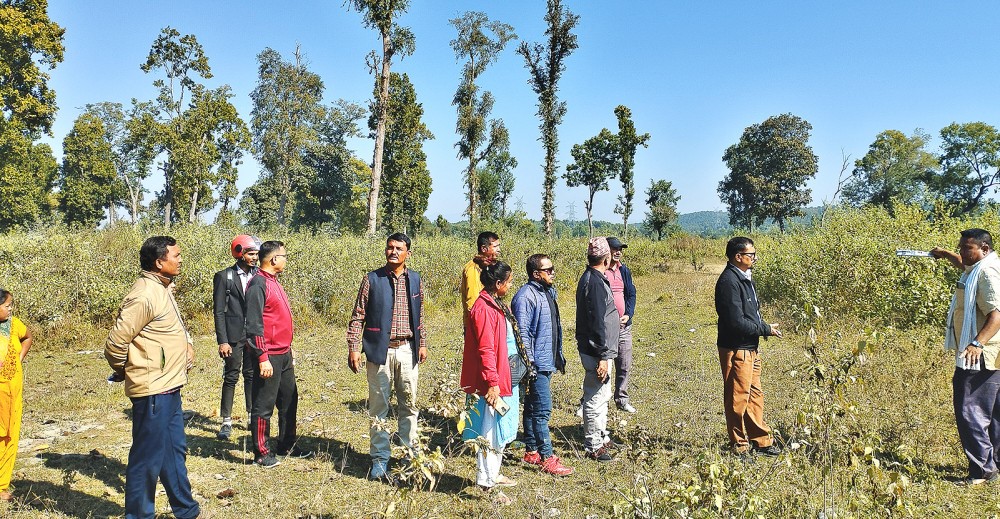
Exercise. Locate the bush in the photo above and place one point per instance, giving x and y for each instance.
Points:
(847, 266)
(60, 276)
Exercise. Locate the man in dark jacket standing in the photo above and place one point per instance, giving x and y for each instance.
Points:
(270, 330)
(537, 314)
(230, 308)
(387, 325)
(740, 329)
(597, 328)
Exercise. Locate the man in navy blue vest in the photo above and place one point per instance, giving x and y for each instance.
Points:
(388, 326)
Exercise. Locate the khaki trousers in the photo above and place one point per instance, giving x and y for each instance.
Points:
(743, 399)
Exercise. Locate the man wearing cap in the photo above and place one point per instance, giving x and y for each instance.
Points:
(230, 308)
(623, 291)
(597, 329)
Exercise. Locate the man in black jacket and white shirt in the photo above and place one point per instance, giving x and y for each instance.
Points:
(597, 328)
(230, 306)
(740, 330)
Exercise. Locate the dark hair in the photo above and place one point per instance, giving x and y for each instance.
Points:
(534, 263)
(980, 236)
(493, 274)
(485, 238)
(154, 248)
(398, 237)
(594, 261)
(268, 248)
(4, 294)
(737, 245)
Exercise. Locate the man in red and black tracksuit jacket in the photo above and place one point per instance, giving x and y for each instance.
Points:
(270, 330)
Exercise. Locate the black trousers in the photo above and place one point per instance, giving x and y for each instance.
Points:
(278, 390)
(240, 361)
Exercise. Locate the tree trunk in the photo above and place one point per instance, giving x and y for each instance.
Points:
(589, 206)
(379, 136)
(549, 182)
(168, 196)
(473, 193)
(194, 207)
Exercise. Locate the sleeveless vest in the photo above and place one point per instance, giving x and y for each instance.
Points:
(378, 314)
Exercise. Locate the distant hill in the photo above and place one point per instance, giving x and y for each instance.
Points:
(716, 223)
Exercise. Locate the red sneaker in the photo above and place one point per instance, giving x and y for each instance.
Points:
(553, 466)
(532, 458)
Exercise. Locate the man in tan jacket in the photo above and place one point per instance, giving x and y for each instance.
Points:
(150, 349)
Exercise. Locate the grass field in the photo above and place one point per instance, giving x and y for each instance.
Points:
(889, 447)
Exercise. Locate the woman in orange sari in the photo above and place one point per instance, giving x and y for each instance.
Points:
(15, 341)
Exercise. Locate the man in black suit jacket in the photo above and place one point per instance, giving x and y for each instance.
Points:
(740, 330)
(229, 287)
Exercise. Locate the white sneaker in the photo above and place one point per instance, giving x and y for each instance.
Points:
(627, 407)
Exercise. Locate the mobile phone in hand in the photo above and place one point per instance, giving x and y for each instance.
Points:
(501, 407)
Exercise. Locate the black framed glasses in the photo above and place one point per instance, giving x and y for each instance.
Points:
(753, 255)
(550, 270)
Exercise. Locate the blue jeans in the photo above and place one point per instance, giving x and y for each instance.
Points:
(159, 450)
(537, 411)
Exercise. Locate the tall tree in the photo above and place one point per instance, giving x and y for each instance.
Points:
(197, 129)
(970, 164)
(30, 43)
(628, 142)
(479, 44)
(130, 152)
(893, 171)
(496, 181)
(661, 198)
(407, 182)
(383, 15)
(286, 110)
(180, 58)
(28, 40)
(768, 171)
(87, 176)
(331, 183)
(595, 162)
(28, 173)
(545, 64)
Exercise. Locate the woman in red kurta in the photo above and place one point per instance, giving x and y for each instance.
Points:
(486, 373)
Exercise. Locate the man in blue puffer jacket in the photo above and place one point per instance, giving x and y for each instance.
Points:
(537, 314)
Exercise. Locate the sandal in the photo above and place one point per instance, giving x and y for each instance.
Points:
(504, 481)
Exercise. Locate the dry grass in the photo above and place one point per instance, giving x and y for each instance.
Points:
(77, 429)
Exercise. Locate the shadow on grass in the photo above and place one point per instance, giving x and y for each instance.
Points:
(44, 496)
(109, 471)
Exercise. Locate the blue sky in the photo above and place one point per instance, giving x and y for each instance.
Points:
(694, 74)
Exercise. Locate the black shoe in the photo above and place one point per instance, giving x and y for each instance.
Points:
(268, 461)
(601, 455)
(771, 450)
(296, 452)
(225, 432)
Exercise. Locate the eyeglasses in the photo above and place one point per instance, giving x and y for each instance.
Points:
(550, 270)
(753, 255)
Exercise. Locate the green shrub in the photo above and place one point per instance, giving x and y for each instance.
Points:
(847, 266)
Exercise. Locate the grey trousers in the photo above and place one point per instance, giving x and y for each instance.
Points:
(977, 414)
(596, 396)
(623, 364)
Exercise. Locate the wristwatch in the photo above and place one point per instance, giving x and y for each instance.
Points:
(976, 344)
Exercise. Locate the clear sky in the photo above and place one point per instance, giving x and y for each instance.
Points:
(694, 74)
